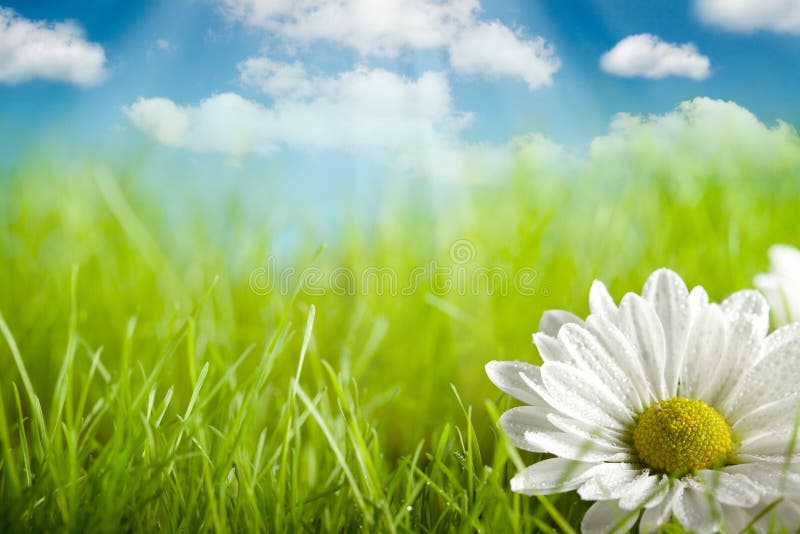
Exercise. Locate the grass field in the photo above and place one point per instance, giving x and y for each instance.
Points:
(151, 382)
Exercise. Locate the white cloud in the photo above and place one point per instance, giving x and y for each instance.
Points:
(388, 27)
(782, 16)
(52, 51)
(225, 123)
(162, 46)
(366, 110)
(165, 46)
(701, 139)
(368, 26)
(648, 56)
(493, 49)
(161, 118)
(413, 123)
(275, 77)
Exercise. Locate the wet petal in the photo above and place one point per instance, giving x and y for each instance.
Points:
(776, 373)
(694, 510)
(733, 489)
(647, 491)
(735, 519)
(600, 302)
(507, 376)
(787, 512)
(583, 396)
(775, 442)
(748, 302)
(553, 320)
(565, 445)
(779, 459)
(591, 431)
(610, 486)
(745, 337)
(698, 299)
(668, 294)
(589, 353)
(656, 516)
(705, 346)
(640, 323)
(605, 517)
(517, 421)
(555, 475)
(771, 479)
(781, 413)
(550, 349)
(620, 348)
(784, 260)
(773, 288)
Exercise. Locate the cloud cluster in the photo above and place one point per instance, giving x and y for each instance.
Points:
(51, 51)
(493, 49)
(646, 55)
(701, 138)
(370, 27)
(782, 16)
(413, 123)
(388, 27)
(370, 110)
(278, 78)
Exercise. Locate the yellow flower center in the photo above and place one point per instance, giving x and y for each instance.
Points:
(682, 435)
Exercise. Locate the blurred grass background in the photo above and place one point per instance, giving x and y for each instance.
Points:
(167, 385)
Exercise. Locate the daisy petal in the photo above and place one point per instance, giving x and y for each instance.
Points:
(771, 479)
(553, 320)
(778, 459)
(694, 510)
(555, 475)
(550, 349)
(775, 442)
(730, 488)
(620, 348)
(656, 516)
(600, 302)
(773, 288)
(704, 347)
(787, 512)
(698, 299)
(745, 337)
(647, 490)
(572, 447)
(583, 396)
(735, 519)
(517, 421)
(776, 373)
(508, 377)
(784, 260)
(748, 302)
(668, 294)
(639, 321)
(589, 431)
(763, 418)
(610, 486)
(606, 517)
(588, 352)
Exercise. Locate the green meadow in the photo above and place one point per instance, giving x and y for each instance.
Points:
(154, 377)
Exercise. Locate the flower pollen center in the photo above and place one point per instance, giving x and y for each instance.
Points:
(681, 435)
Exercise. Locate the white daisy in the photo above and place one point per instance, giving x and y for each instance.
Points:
(781, 285)
(666, 406)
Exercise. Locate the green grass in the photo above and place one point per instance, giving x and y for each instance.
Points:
(145, 386)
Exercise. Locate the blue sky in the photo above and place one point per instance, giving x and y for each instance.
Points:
(174, 55)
